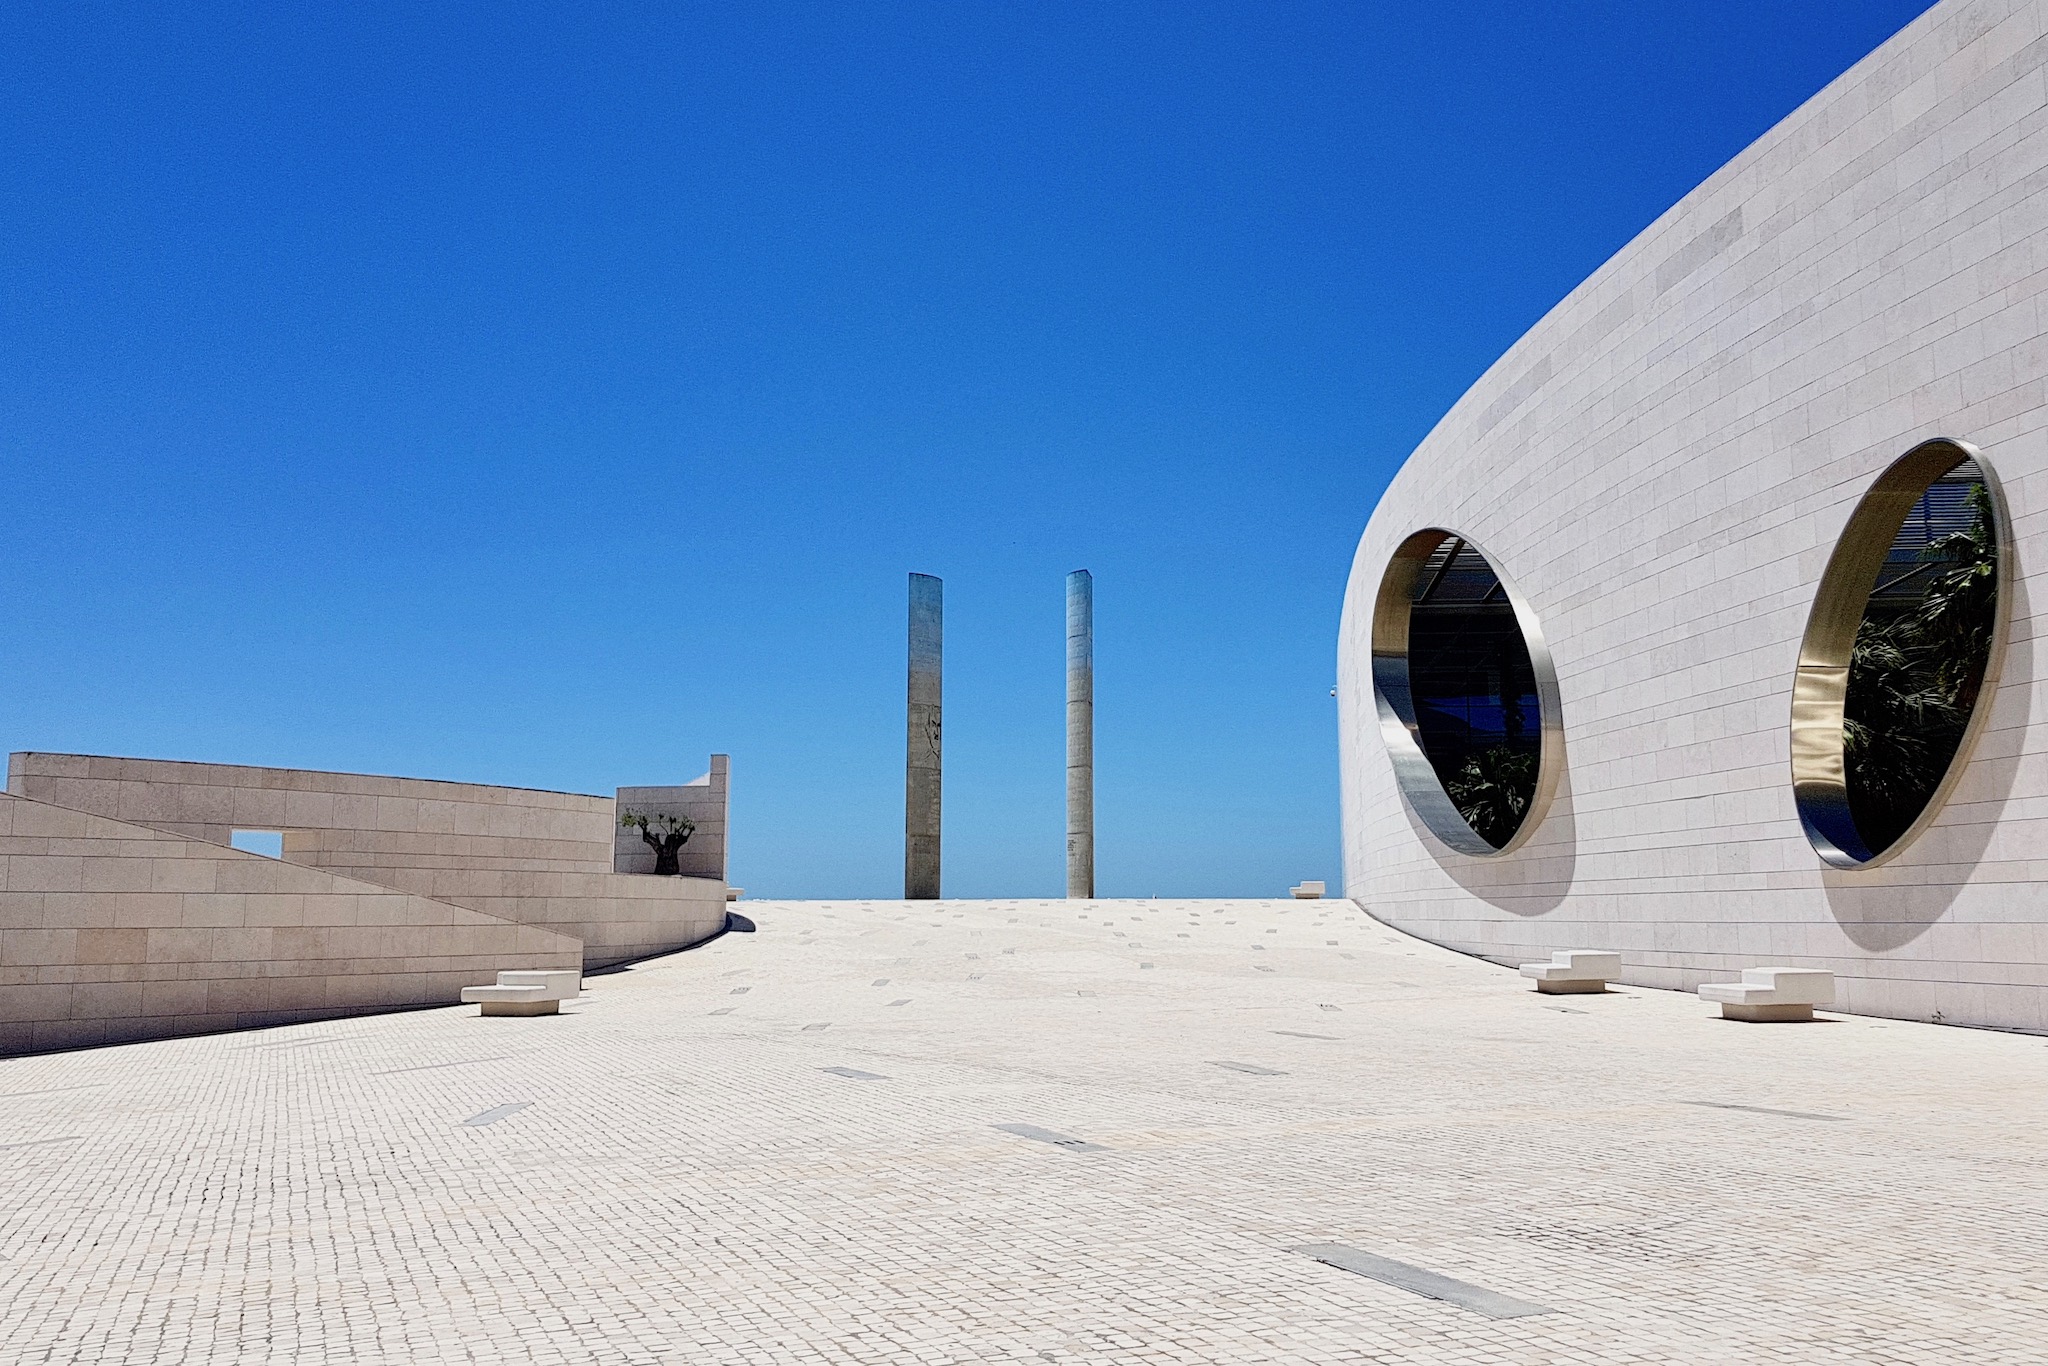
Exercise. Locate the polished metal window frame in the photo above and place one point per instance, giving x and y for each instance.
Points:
(1820, 687)
(1413, 772)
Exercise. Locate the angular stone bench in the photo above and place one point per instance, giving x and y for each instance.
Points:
(1307, 891)
(1769, 995)
(526, 993)
(1575, 972)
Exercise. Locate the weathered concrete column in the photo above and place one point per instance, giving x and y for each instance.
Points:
(1080, 734)
(921, 771)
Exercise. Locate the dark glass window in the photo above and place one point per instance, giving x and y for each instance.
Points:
(1918, 663)
(1473, 687)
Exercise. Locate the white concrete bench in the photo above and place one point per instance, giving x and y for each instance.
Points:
(1307, 891)
(526, 993)
(1575, 972)
(735, 893)
(1772, 994)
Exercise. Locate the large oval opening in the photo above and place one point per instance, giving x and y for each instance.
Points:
(1900, 654)
(1466, 694)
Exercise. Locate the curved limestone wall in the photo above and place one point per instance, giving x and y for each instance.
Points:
(535, 857)
(1662, 466)
(112, 932)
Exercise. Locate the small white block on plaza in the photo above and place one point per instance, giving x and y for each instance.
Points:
(1307, 891)
(531, 992)
(1772, 994)
(1575, 972)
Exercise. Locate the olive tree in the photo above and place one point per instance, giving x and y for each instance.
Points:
(664, 834)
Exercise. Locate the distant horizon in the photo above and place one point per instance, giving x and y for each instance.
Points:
(555, 398)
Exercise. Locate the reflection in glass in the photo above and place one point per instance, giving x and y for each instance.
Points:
(1919, 659)
(1473, 687)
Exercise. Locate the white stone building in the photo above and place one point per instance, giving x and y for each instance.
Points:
(1660, 472)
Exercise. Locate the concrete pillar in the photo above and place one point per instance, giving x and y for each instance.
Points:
(1080, 734)
(921, 770)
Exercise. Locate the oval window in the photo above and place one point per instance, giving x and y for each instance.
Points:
(1900, 654)
(1466, 695)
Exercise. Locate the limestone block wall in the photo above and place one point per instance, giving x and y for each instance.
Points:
(112, 932)
(353, 822)
(1662, 466)
(538, 858)
(617, 916)
(704, 801)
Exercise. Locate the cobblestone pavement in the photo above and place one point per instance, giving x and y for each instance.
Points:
(670, 1171)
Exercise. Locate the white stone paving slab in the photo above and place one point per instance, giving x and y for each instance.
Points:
(688, 1187)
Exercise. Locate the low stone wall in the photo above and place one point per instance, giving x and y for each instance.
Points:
(363, 821)
(617, 916)
(539, 858)
(112, 932)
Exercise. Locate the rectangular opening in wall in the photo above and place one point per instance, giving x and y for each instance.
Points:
(269, 843)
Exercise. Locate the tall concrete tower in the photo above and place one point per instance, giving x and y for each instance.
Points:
(1080, 734)
(921, 765)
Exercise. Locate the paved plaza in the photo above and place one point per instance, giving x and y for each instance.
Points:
(784, 1146)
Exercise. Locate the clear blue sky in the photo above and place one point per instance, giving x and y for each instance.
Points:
(553, 395)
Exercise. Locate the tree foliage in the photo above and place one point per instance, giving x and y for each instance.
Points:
(1955, 617)
(1914, 679)
(1493, 789)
